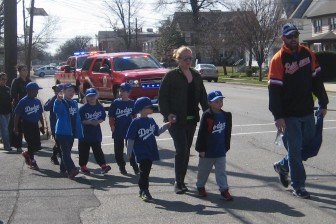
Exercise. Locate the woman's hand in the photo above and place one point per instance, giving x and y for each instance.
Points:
(172, 118)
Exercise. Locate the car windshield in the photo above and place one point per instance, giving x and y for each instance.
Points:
(80, 62)
(207, 66)
(133, 62)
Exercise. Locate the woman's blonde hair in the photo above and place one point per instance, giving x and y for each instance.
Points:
(178, 51)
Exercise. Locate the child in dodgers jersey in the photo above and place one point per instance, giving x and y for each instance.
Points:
(30, 110)
(141, 140)
(213, 141)
(68, 127)
(120, 117)
(92, 114)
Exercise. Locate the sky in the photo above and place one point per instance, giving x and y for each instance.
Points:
(83, 17)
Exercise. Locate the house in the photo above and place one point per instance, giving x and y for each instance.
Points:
(212, 39)
(322, 14)
(111, 41)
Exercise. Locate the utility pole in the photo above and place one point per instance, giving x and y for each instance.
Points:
(136, 34)
(10, 33)
(30, 41)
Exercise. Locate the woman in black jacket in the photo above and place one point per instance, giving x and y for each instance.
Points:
(18, 91)
(180, 94)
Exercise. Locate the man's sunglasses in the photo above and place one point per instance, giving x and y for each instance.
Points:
(291, 36)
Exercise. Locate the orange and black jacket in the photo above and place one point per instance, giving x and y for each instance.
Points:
(206, 127)
(292, 79)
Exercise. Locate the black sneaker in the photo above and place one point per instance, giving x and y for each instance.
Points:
(54, 160)
(146, 196)
(283, 176)
(178, 188)
(184, 187)
(301, 193)
(123, 170)
(136, 170)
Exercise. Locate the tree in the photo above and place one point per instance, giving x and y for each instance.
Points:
(194, 5)
(2, 21)
(79, 43)
(170, 39)
(122, 18)
(257, 26)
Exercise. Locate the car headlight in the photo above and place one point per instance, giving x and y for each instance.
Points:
(134, 83)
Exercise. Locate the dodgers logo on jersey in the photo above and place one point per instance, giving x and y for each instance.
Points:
(146, 133)
(125, 112)
(31, 110)
(95, 116)
(72, 110)
(218, 127)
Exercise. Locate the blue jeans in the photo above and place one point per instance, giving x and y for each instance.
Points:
(4, 121)
(66, 143)
(299, 131)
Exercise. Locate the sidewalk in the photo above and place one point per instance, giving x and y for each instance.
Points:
(330, 87)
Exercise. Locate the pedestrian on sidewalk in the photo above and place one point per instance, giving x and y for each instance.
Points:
(92, 114)
(141, 141)
(5, 111)
(294, 76)
(213, 141)
(68, 127)
(29, 111)
(120, 117)
(49, 106)
(181, 92)
(18, 91)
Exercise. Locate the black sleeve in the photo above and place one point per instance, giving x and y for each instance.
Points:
(320, 92)
(228, 130)
(274, 105)
(201, 141)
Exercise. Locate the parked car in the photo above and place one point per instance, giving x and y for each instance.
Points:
(45, 70)
(208, 71)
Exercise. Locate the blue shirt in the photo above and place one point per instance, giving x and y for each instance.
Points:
(49, 106)
(143, 131)
(92, 112)
(122, 112)
(216, 143)
(30, 109)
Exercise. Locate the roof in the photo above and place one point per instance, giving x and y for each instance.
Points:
(301, 9)
(290, 6)
(321, 8)
(185, 19)
(330, 36)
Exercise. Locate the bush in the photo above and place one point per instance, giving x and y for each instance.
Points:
(248, 72)
(327, 61)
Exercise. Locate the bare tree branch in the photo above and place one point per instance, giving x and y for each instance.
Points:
(258, 26)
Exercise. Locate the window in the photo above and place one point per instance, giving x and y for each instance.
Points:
(97, 65)
(318, 26)
(332, 23)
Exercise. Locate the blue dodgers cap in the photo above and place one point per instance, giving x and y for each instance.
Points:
(90, 92)
(125, 86)
(289, 28)
(68, 85)
(142, 102)
(214, 95)
(32, 86)
(57, 87)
